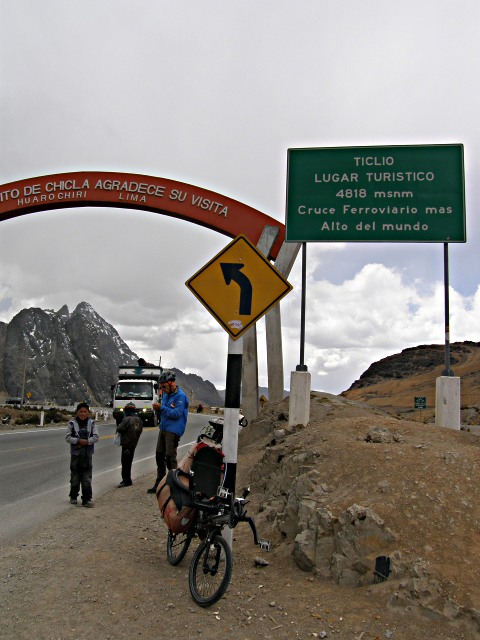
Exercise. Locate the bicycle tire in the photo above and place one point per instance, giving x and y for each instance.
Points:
(210, 571)
(177, 546)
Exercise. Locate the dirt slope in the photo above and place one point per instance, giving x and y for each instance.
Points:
(393, 382)
(103, 572)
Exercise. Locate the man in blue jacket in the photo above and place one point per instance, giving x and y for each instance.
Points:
(172, 418)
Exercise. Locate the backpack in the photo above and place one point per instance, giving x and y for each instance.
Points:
(174, 494)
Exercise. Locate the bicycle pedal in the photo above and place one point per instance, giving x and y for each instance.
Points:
(265, 545)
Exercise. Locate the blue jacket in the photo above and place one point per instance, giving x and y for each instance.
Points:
(173, 412)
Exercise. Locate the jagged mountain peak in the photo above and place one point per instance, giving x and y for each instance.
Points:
(84, 308)
(63, 313)
(68, 357)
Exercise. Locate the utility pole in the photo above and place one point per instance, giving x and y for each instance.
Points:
(24, 376)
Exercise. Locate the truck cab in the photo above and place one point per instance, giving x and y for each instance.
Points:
(137, 384)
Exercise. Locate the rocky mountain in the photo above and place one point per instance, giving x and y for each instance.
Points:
(198, 389)
(393, 382)
(66, 357)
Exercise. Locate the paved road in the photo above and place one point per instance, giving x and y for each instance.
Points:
(35, 475)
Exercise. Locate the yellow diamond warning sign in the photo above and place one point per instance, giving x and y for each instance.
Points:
(238, 286)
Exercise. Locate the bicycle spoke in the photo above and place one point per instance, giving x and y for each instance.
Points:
(177, 546)
(210, 571)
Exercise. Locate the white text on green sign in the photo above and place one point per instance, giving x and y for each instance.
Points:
(376, 194)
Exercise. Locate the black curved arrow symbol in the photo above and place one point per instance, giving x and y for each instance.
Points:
(232, 271)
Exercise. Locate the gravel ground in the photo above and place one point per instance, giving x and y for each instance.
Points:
(103, 572)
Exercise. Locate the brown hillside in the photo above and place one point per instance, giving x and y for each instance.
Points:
(393, 382)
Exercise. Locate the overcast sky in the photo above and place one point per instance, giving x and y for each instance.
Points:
(213, 93)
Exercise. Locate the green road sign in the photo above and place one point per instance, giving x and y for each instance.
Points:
(420, 402)
(376, 194)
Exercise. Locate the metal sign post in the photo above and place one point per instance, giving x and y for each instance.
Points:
(238, 286)
(233, 390)
(302, 366)
(447, 371)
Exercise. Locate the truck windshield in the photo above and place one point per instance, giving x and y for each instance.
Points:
(128, 390)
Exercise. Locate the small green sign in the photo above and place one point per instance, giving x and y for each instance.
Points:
(420, 402)
(376, 194)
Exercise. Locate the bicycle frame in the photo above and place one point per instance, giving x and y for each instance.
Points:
(211, 566)
(229, 512)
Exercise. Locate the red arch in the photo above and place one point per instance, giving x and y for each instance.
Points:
(134, 191)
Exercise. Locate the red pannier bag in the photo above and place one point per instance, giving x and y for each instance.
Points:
(173, 495)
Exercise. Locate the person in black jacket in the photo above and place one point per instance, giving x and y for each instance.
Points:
(130, 430)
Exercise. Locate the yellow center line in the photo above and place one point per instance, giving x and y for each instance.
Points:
(40, 446)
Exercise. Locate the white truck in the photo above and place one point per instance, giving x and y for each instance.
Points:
(137, 384)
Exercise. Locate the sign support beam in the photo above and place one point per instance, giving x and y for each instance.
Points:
(250, 360)
(273, 326)
(447, 371)
(302, 366)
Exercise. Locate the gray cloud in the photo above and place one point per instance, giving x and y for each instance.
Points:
(214, 95)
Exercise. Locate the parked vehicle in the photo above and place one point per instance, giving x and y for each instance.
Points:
(16, 402)
(137, 384)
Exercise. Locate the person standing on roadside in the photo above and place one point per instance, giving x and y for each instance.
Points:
(82, 434)
(130, 430)
(172, 415)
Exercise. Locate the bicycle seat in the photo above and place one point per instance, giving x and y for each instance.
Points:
(206, 475)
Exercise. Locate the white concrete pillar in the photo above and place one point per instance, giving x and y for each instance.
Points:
(299, 402)
(447, 402)
(276, 383)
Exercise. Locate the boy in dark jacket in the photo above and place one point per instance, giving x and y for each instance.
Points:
(130, 430)
(82, 434)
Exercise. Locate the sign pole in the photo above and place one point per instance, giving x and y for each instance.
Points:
(447, 371)
(300, 379)
(447, 392)
(302, 366)
(233, 390)
(238, 286)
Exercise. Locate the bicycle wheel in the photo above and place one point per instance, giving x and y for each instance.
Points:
(177, 546)
(210, 571)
